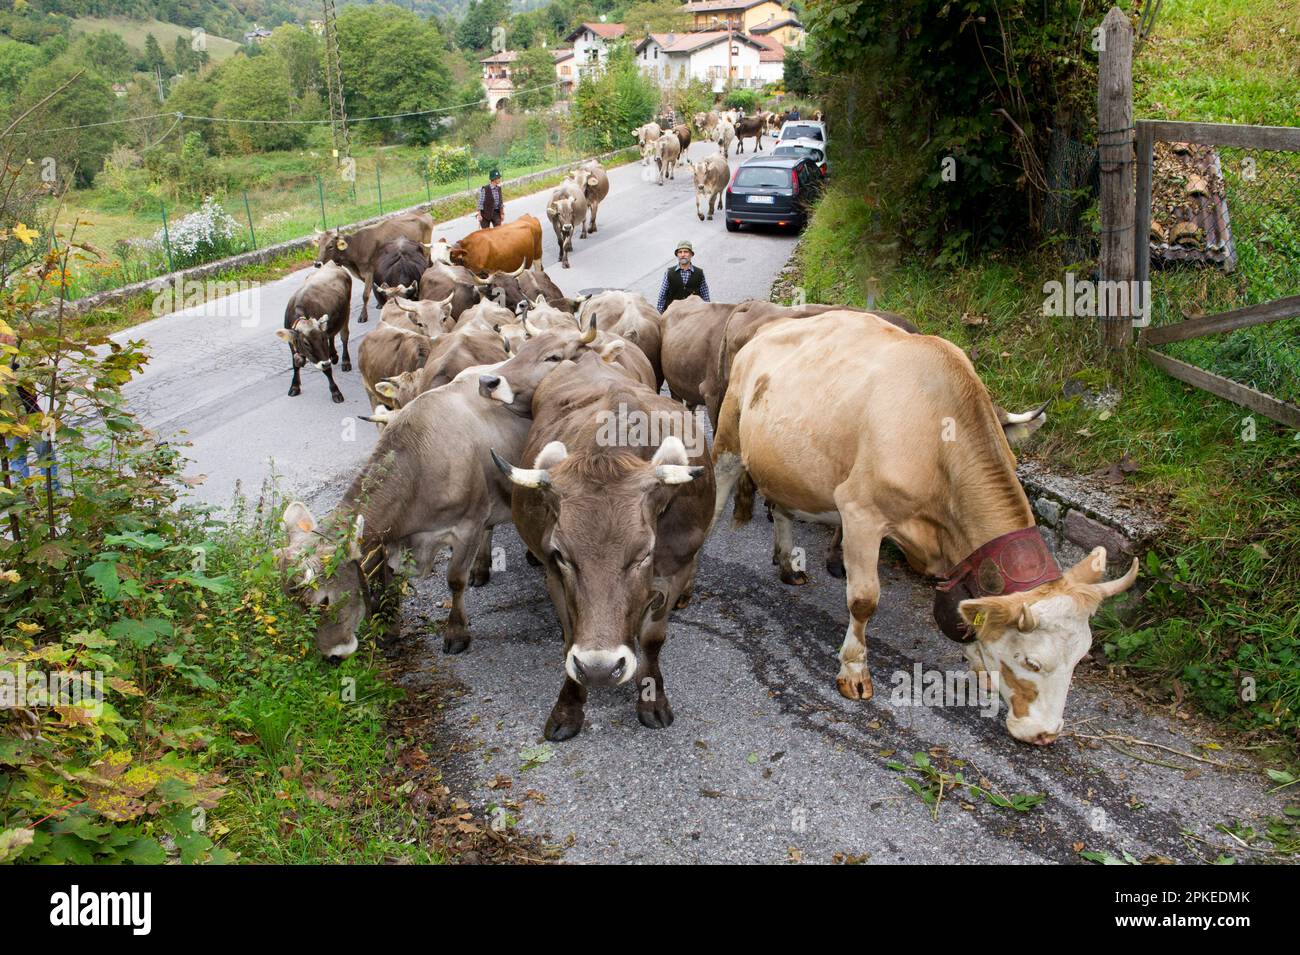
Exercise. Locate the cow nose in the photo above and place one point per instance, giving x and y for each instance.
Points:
(600, 667)
(1043, 739)
(318, 264)
(488, 384)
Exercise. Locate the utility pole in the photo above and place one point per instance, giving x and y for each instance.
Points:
(334, 85)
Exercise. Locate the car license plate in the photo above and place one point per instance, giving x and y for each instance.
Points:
(763, 199)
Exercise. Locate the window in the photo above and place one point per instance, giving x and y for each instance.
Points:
(763, 177)
(656, 53)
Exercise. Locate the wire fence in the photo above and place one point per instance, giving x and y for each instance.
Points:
(144, 236)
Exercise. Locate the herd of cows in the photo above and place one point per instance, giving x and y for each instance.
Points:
(493, 392)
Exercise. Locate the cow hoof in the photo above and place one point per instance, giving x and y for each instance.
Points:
(854, 684)
(562, 725)
(480, 578)
(795, 578)
(683, 601)
(347, 366)
(294, 392)
(710, 218)
(565, 264)
(835, 567)
(362, 319)
(455, 643)
(532, 561)
(701, 217)
(337, 397)
(657, 715)
(592, 230)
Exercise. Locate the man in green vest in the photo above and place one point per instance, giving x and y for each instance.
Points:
(683, 279)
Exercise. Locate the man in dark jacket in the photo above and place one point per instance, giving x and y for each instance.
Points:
(491, 207)
(684, 279)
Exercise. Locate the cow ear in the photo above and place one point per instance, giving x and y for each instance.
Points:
(611, 350)
(554, 453)
(386, 388)
(341, 244)
(284, 335)
(987, 616)
(671, 465)
(298, 521)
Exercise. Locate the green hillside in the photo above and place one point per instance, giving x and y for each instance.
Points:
(133, 32)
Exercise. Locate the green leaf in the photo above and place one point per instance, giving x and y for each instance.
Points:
(103, 574)
(143, 851)
(140, 633)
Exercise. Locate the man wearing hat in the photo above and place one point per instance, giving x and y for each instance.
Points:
(491, 208)
(684, 279)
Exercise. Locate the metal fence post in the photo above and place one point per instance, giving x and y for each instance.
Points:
(320, 187)
(428, 193)
(249, 212)
(167, 238)
(379, 187)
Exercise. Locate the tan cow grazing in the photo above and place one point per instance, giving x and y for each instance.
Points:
(903, 442)
(503, 249)
(592, 179)
(617, 523)
(429, 484)
(667, 152)
(358, 251)
(724, 134)
(711, 177)
(632, 318)
(403, 342)
(567, 211)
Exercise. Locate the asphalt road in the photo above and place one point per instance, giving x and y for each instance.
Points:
(765, 761)
(219, 376)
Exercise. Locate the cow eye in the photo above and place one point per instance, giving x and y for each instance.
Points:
(552, 358)
(560, 559)
(1032, 665)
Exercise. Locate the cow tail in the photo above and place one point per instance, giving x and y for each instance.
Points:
(743, 510)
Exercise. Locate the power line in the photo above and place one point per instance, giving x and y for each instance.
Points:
(290, 122)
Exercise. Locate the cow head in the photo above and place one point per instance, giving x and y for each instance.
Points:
(603, 509)
(456, 254)
(532, 359)
(1031, 642)
(439, 251)
(309, 340)
(399, 390)
(333, 247)
(431, 317)
(325, 574)
(561, 212)
(1019, 426)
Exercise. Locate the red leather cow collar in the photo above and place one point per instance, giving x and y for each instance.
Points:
(1012, 563)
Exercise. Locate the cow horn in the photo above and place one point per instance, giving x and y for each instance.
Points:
(402, 304)
(518, 271)
(1109, 588)
(523, 318)
(1026, 416)
(479, 281)
(589, 335)
(524, 477)
(446, 302)
(1026, 623)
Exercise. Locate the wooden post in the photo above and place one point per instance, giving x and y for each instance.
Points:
(1115, 156)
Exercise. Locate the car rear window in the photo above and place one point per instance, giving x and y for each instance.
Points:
(763, 176)
(802, 132)
(814, 154)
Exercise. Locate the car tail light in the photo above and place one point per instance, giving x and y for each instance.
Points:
(794, 180)
(823, 169)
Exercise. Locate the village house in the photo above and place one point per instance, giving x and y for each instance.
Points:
(591, 44)
(672, 57)
(565, 73)
(497, 84)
